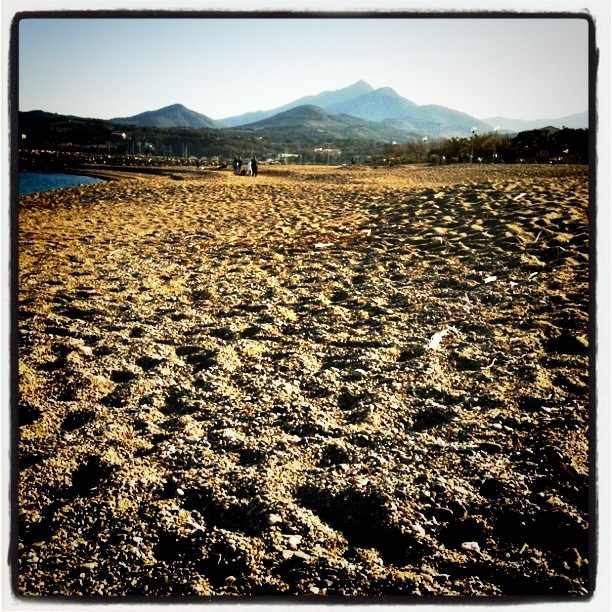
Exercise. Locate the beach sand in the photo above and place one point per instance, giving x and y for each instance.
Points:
(319, 381)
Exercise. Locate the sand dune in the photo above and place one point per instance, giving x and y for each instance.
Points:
(318, 381)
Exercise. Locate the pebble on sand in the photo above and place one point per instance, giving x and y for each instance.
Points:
(274, 519)
(471, 546)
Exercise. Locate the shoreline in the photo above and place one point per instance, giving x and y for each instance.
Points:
(118, 172)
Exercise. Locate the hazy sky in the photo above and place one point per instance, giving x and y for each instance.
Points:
(518, 68)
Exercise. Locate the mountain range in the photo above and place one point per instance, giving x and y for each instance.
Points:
(175, 115)
(324, 100)
(384, 114)
(575, 121)
(311, 124)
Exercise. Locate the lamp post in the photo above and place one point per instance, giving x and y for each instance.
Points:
(495, 131)
(474, 131)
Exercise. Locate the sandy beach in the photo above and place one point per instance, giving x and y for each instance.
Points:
(319, 381)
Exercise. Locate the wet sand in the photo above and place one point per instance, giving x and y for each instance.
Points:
(319, 381)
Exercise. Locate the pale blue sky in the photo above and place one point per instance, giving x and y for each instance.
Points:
(519, 68)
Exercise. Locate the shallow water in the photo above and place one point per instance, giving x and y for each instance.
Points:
(32, 182)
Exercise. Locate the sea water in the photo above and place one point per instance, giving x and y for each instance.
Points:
(32, 182)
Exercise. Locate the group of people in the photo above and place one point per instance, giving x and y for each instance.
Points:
(241, 170)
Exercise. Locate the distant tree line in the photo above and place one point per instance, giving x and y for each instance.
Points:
(543, 145)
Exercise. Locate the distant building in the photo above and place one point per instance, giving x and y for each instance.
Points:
(288, 158)
(324, 150)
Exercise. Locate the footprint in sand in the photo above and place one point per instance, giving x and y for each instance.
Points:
(78, 418)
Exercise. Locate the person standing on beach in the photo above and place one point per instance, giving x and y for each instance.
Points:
(254, 167)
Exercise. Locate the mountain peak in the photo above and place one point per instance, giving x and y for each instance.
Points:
(358, 88)
(175, 115)
(304, 111)
(377, 105)
(387, 91)
(324, 100)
